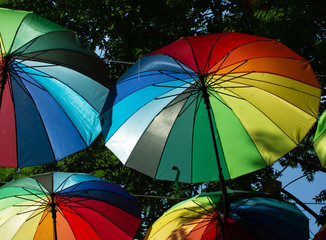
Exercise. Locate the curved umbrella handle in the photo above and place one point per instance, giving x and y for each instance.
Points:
(176, 177)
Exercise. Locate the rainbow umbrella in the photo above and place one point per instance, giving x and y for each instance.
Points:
(66, 206)
(320, 139)
(205, 106)
(52, 89)
(252, 217)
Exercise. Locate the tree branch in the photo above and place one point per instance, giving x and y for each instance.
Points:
(304, 206)
(306, 163)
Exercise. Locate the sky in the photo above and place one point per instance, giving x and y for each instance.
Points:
(304, 191)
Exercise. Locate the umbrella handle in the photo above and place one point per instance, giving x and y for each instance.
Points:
(176, 177)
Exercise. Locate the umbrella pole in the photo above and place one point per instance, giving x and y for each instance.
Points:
(54, 216)
(219, 167)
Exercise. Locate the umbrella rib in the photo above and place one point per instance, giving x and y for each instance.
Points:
(31, 57)
(226, 94)
(193, 54)
(62, 185)
(42, 189)
(133, 77)
(213, 224)
(33, 193)
(188, 93)
(279, 85)
(169, 96)
(26, 46)
(214, 73)
(167, 86)
(192, 94)
(211, 51)
(89, 190)
(30, 218)
(67, 65)
(206, 220)
(68, 199)
(185, 71)
(202, 207)
(68, 210)
(44, 216)
(194, 211)
(83, 206)
(32, 74)
(78, 192)
(38, 207)
(212, 204)
(174, 77)
(228, 80)
(199, 100)
(198, 212)
(27, 199)
(226, 56)
(36, 66)
(74, 194)
(15, 72)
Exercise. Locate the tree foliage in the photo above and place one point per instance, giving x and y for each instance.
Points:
(125, 30)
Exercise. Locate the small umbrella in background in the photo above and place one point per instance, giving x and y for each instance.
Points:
(211, 107)
(320, 139)
(52, 89)
(66, 206)
(252, 217)
(321, 234)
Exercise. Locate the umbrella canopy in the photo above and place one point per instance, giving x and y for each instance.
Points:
(66, 206)
(321, 234)
(242, 99)
(320, 139)
(252, 217)
(52, 89)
